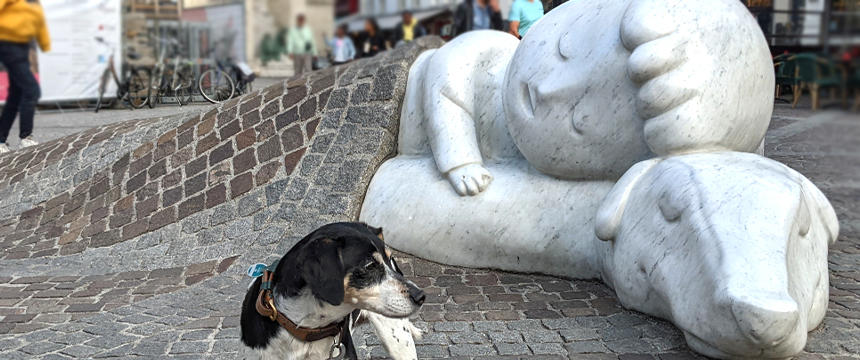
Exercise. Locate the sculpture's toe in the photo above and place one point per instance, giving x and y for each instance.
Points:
(767, 322)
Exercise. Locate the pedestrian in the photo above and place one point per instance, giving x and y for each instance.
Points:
(342, 48)
(524, 14)
(20, 23)
(477, 15)
(301, 46)
(374, 42)
(409, 29)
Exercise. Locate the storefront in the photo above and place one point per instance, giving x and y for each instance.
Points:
(802, 25)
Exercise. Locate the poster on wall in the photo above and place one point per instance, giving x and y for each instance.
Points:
(84, 34)
(225, 38)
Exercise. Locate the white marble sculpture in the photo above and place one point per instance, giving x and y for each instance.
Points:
(510, 154)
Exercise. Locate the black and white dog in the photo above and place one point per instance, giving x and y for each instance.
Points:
(306, 306)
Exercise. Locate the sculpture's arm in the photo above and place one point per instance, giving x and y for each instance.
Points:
(452, 79)
(452, 131)
(453, 138)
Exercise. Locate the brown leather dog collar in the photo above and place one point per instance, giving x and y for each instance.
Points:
(266, 307)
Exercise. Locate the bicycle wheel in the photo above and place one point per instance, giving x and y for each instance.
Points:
(216, 86)
(155, 82)
(138, 92)
(185, 83)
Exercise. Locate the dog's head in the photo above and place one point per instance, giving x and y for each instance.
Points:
(732, 247)
(349, 263)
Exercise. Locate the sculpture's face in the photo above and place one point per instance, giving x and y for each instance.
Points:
(733, 251)
(570, 108)
(594, 81)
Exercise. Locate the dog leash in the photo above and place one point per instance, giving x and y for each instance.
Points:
(266, 307)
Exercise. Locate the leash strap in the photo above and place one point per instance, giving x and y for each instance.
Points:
(266, 307)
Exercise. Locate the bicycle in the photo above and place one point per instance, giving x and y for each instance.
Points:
(175, 80)
(132, 90)
(182, 80)
(216, 84)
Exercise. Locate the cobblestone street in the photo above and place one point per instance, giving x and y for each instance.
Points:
(131, 239)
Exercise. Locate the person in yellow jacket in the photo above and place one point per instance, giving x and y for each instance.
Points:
(20, 23)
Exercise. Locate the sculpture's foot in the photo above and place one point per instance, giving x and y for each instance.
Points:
(525, 221)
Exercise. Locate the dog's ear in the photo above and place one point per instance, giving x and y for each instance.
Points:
(820, 207)
(608, 217)
(323, 270)
(376, 231)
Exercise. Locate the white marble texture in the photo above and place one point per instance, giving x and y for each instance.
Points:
(731, 247)
(509, 153)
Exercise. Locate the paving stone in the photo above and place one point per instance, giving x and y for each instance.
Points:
(588, 346)
(513, 349)
(471, 350)
(190, 347)
(41, 347)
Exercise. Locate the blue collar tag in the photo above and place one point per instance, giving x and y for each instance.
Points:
(256, 270)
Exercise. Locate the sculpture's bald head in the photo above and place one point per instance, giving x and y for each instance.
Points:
(570, 108)
(597, 85)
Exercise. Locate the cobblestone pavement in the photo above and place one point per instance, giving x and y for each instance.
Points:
(143, 254)
(52, 123)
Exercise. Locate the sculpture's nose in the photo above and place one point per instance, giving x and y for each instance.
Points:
(766, 321)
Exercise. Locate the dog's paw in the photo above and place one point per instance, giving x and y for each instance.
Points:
(470, 179)
(415, 331)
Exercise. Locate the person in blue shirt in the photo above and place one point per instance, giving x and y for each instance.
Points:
(524, 13)
(342, 48)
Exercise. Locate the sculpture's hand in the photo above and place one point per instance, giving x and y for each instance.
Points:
(470, 179)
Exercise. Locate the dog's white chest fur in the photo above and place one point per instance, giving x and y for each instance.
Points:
(285, 346)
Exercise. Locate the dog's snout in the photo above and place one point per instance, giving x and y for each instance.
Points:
(767, 322)
(417, 295)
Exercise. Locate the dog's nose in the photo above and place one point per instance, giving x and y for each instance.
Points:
(766, 321)
(417, 295)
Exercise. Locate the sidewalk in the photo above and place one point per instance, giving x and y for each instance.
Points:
(54, 123)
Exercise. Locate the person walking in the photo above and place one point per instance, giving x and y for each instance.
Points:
(524, 13)
(301, 46)
(342, 48)
(20, 23)
(409, 29)
(374, 42)
(477, 15)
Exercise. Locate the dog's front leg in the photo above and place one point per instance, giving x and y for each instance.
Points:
(397, 335)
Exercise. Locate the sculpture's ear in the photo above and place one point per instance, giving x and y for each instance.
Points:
(609, 215)
(819, 207)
